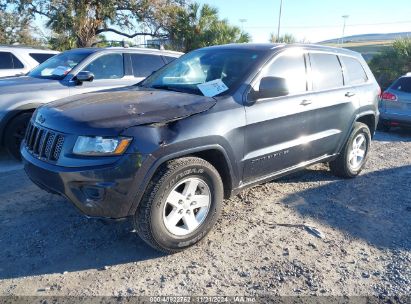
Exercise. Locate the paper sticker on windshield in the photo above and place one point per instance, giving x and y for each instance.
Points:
(212, 88)
(61, 70)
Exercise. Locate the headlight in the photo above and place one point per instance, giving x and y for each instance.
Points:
(101, 146)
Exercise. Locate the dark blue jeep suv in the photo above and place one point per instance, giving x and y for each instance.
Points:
(211, 123)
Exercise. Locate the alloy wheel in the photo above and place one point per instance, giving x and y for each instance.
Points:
(187, 206)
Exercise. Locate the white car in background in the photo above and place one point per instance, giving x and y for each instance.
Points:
(16, 60)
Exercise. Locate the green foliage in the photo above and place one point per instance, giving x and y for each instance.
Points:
(287, 38)
(392, 63)
(199, 26)
(86, 20)
(62, 42)
(15, 29)
(83, 23)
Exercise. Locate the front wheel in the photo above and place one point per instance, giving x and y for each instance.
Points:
(181, 204)
(14, 134)
(354, 154)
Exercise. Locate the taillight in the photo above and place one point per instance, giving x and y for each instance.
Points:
(389, 96)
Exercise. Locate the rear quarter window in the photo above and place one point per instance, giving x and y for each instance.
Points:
(326, 71)
(41, 57)
(403, 84)
(353, 71)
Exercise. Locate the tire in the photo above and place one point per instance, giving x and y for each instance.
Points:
(15, 132)
(348, 164)
(169, 196)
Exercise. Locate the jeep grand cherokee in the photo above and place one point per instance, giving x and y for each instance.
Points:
(213, 122)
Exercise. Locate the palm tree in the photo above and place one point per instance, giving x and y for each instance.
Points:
(287, 38)
(199, 26)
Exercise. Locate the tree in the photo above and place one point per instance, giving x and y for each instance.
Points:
(62, 42)
(199, 26)
(15, 29)
(85, 20)
(287, 38)
(392, 63)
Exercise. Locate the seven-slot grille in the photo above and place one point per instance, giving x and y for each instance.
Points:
(43, 143)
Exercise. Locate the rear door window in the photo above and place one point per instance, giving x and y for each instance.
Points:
(110, 66)
(144, 64)
(41, 57)
(9, 62)
(403, 84)
(353, 71)
(326, 71)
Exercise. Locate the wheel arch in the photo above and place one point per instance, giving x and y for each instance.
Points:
(219, 161)
(214, 154)
(12, 114)
(368, 119)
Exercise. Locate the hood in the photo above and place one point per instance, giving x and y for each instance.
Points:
(109, 112)
(23, 84)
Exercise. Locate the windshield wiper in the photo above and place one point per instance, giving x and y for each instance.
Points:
(168, 88)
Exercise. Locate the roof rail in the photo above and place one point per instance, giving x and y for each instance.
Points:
(22, 46)
(127, 44)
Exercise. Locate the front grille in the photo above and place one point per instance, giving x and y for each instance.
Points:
(43, 143)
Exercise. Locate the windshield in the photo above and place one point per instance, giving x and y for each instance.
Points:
(58, 66)
(190, 72)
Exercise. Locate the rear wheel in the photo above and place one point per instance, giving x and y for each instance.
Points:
(353, 157)
(181, 204)
(15, 132)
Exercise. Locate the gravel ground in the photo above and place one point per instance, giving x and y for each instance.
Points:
(261, 246)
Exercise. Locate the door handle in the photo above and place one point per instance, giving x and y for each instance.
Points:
(349, 94)
(306, 102)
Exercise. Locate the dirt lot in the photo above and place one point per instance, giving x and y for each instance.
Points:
(258, 247)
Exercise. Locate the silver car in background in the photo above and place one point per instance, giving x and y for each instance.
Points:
(71, 73)
(395, 104)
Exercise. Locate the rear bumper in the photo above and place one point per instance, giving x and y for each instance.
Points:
(104, 191)
(395, 119)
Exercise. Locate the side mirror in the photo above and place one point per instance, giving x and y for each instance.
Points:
(84, 76)
(273, 87)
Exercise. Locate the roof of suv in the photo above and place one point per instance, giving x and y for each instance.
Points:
(278, 46)
(128, 49)
(26, 49)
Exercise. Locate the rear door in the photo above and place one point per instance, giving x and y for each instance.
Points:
(334, 104)
(278, 128)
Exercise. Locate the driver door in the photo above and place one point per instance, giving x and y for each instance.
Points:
(108, 71)
(278, 128)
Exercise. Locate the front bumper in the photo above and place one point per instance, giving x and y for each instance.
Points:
(104, 191)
